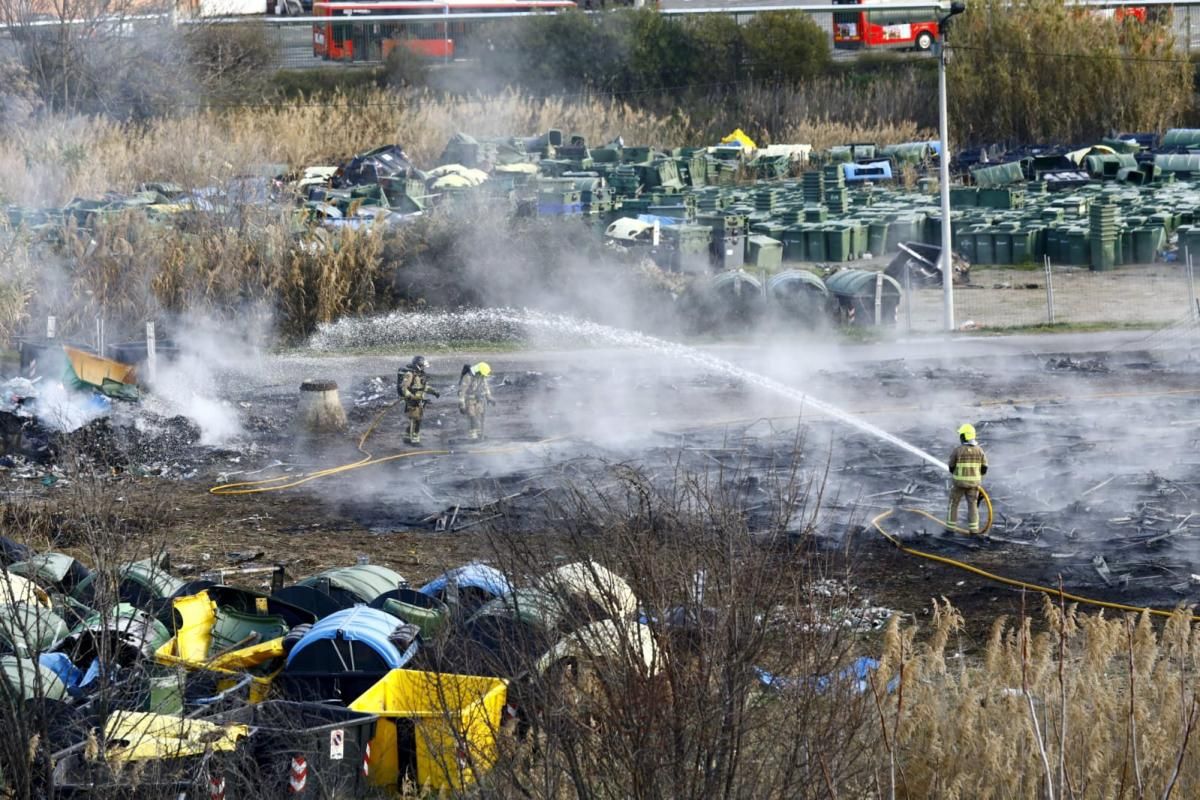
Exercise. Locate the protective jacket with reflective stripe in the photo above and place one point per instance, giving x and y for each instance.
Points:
(967, 463)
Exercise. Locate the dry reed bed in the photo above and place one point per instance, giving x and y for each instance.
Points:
(63, 157)
(1094, 707)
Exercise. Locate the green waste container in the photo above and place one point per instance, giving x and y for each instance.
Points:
(1002, 247)
(1103, 254)
(1054, 249)
(877, 234)
(837, 243)
(815, 243)
(1145, 244)
(963, 196)
(1022, 246)
(1078, 246)
(858, 237)
(984, 248)
(764, 252)
(966, 245)
(794, 243)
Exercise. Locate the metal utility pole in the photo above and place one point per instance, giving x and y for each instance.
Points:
(944, 169)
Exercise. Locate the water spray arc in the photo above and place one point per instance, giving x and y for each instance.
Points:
(596, 332)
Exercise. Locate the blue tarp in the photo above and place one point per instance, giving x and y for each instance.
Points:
(857, 672)
(359, 624)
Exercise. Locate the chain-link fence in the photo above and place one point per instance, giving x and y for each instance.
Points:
(1150, 295)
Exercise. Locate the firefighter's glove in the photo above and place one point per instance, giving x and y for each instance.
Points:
(434, 392)
(462, 408)
(491, 402)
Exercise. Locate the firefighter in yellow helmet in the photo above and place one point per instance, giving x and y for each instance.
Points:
(474, 395)
(968, 464)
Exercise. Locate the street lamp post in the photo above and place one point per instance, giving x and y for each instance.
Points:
(944, 168)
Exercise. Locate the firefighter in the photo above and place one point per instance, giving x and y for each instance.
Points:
(412, 384)
(473, 394)
(968, 465)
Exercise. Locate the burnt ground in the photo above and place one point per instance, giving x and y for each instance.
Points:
(1094, 477)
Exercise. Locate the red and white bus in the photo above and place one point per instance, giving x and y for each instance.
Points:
(365, 40)
(900, 29)
(1121, 13)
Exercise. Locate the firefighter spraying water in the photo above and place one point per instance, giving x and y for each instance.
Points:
(968, 464)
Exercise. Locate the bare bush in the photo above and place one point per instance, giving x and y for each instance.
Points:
(716, 692)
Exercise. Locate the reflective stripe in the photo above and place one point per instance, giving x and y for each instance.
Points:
(967, 473)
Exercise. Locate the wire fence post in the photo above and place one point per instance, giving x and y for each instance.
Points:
(1193, 312)
(1049, 292)
(151, 352)
(908, 299)
(878, 298)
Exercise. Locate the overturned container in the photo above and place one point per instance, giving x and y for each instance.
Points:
(799, 296)
(865, 298)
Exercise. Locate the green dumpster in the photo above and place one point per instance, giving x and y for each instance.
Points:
(794, 243)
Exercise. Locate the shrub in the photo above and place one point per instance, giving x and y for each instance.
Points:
(404, 68)
(231, 60)
(1041, 71)
(786, 46)
(718, 38)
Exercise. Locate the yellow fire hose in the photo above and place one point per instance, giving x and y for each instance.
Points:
(1074, 598)
(368, 460)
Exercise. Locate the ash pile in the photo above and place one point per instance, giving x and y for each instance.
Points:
(72, 408)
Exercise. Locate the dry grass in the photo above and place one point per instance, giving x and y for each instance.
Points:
(131, 269)
(65, 157)
(1092, 707)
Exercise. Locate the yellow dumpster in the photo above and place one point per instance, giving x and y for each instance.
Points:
(435, 729)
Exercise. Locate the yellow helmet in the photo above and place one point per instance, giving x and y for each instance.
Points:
(482, 368)
(967, 431)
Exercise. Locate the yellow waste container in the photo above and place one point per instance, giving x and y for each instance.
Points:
(190, 646)
(436, 729)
